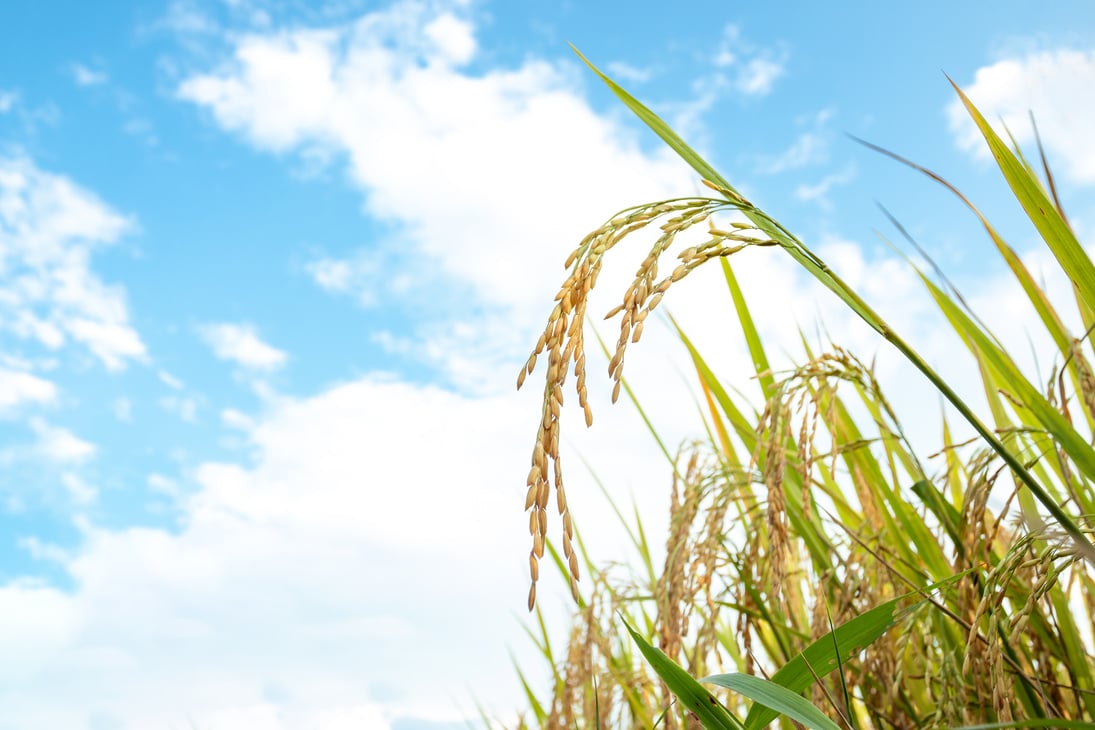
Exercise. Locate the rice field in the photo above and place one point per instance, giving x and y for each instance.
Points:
(877, 587)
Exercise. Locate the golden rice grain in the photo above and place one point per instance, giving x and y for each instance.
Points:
(562, 339)
(530, 497)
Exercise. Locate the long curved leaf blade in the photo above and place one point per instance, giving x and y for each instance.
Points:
(776, 698)
(820, 657)
(691, 693)
(659, 127)
(1042, 722)
(1039, 208)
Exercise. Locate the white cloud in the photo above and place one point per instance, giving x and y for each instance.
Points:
(79, 491)
(358, 526)
(49, 228)
(184, 17)
(17, 388)
(59, 445)
(84, 76)
(331, 274)
(7, 100)
(498, 144)
(622, 71)
(1056, 86)
(809, 148)
(759, 75)
(123, 409)
(44, 551)
(819, 191)
(111, 341)
(239, 343)
(169, 380)
(163, 485)
(185, 408)
(453, 38)
(741, 70)
(238, 420)
(516, 171)
(362, 276)
(746, 67)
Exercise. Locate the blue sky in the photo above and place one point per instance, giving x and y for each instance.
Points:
(268, 269)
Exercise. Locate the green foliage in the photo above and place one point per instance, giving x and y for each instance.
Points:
(870, 591)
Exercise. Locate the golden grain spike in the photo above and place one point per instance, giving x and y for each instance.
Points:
(542, 494)
(532, 597)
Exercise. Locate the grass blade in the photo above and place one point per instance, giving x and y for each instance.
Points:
(821, 658)
(690, 692)
(1039, 208)
(774, 697)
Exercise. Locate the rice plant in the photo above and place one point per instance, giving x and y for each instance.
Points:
(876, 586)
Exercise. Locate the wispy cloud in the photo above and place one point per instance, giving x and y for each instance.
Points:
(361, 276)
(746, 66)
(123, 409)
(240, 343)
(741, 69)
(85, 76)
(49, 229)
(626, 72)
(819, 191)
(185, 408)
(810, 147)
(169, 380)
(59, 445)
(77, 488)
(480, 232)
(17, 388)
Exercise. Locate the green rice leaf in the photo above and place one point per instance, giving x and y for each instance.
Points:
(659, 127)
(1045, 722)
(1039, 208)
(775, 698)
(752, 337)
(820, 657)
(690, 692)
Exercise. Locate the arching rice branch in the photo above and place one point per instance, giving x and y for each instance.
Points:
(562, 338)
